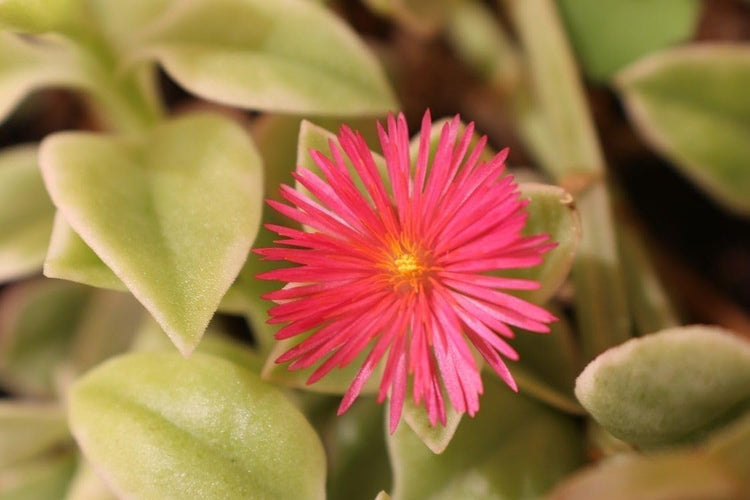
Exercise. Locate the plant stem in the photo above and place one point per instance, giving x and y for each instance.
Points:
(557, 126)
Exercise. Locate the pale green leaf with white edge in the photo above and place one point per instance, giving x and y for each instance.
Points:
(692, 105)
(665, 388)
(286, 55)
(436, 438)
(602, 34)
(156, 425)
(513, 448)
(664, 476)
(26, 213)
(43, 478)
(551, 211)
(172, 212)
(27, 429)
(38, 321)
(87, 485)
(27, 65)
(70, 258)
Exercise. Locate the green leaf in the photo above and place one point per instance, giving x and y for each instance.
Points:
(603, 35)
(25, 213)
(38, 320)
(513, 448)
(27, 65)
(552, 211)
(692, 105)
(436, 438)
(286, 55)
(27, 429)
(157, 425)
(70, 258)
(39, 479)
(173, 212)
(669, 387)
(672, 476)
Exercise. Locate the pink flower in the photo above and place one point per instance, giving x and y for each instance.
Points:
(402, 271)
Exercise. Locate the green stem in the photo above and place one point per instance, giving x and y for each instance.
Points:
(557, 126)
(125, 100)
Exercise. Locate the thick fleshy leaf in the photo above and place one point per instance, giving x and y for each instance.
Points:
(70, 258)
(669, 387)
(692, 105)
(673, 476)
(172, 213)
(548, 366)
(603, 35)
(26, 213)
(27, 429)
(157, 425)
(552, 211)
(44, 478)
(436, 438)
(513, 448)
(38, 320)
(286, 55)
(28, 65)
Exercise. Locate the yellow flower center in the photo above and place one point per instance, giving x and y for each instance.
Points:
(408, 266)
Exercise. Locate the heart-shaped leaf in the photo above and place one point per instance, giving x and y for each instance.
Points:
(26, 66)
(173, 213)
(26, 429)
(672, 476)
(602, 33)
(157, 425)
(692, 105)
(286, 55)
(668, 387)
(25, 213)
(70, 258)
(513, 448)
